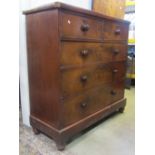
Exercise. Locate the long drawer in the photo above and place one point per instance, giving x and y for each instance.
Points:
(117, 90)
(81, 79)
(76, 53)
(90, 102)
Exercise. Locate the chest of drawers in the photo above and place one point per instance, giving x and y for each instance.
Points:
(76, 66)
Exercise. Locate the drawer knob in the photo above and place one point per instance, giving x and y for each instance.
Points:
(84, 78)
(117, 31)
(84, 53)
(115, 70)
(115, 51)
(83, 104)
(113, 92)
(85, 27)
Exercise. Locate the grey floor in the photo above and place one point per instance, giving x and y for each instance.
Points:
(113, 136)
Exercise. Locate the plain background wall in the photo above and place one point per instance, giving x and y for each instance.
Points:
(25, 5)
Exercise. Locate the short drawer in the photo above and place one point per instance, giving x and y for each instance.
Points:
(75, 53)
(73, 26)
(81, 79)
(115, 31)
(85, 104)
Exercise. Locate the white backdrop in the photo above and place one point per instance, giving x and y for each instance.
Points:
(25, 5)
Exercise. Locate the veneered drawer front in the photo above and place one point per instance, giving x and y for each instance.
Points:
(75, 53)
(119, 70)
(81, 79)
(73, 26)
(115, 31)
(117, 91)
(85, 104)
(118, 84)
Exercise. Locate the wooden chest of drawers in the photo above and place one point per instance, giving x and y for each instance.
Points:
(77, 65)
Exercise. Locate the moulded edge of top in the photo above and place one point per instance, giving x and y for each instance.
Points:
(59, 5)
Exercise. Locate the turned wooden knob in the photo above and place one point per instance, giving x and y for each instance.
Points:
(116, 51)
(113, 92)
(85, 27)
(84, 53)
(83, 104)
(115, 70)
(117, 31)
(84, 78)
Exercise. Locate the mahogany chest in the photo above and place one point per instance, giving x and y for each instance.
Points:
(76, 65)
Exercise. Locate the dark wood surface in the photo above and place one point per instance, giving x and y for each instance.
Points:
(81, 53)
(78, 80)
(115, 31)
(77, 65)
(80, 27)
(86, 103)
(43, 66)
(63, 6)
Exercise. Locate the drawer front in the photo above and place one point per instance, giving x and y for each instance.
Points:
(81, 79)
(75, 53)
(85, 104)
(73, 26)
(118, 84)
(115, 31)
(119, 71)
(117, 91)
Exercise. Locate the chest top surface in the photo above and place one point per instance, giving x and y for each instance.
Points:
(62, 6)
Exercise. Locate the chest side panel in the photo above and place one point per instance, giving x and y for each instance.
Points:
(43, 65)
